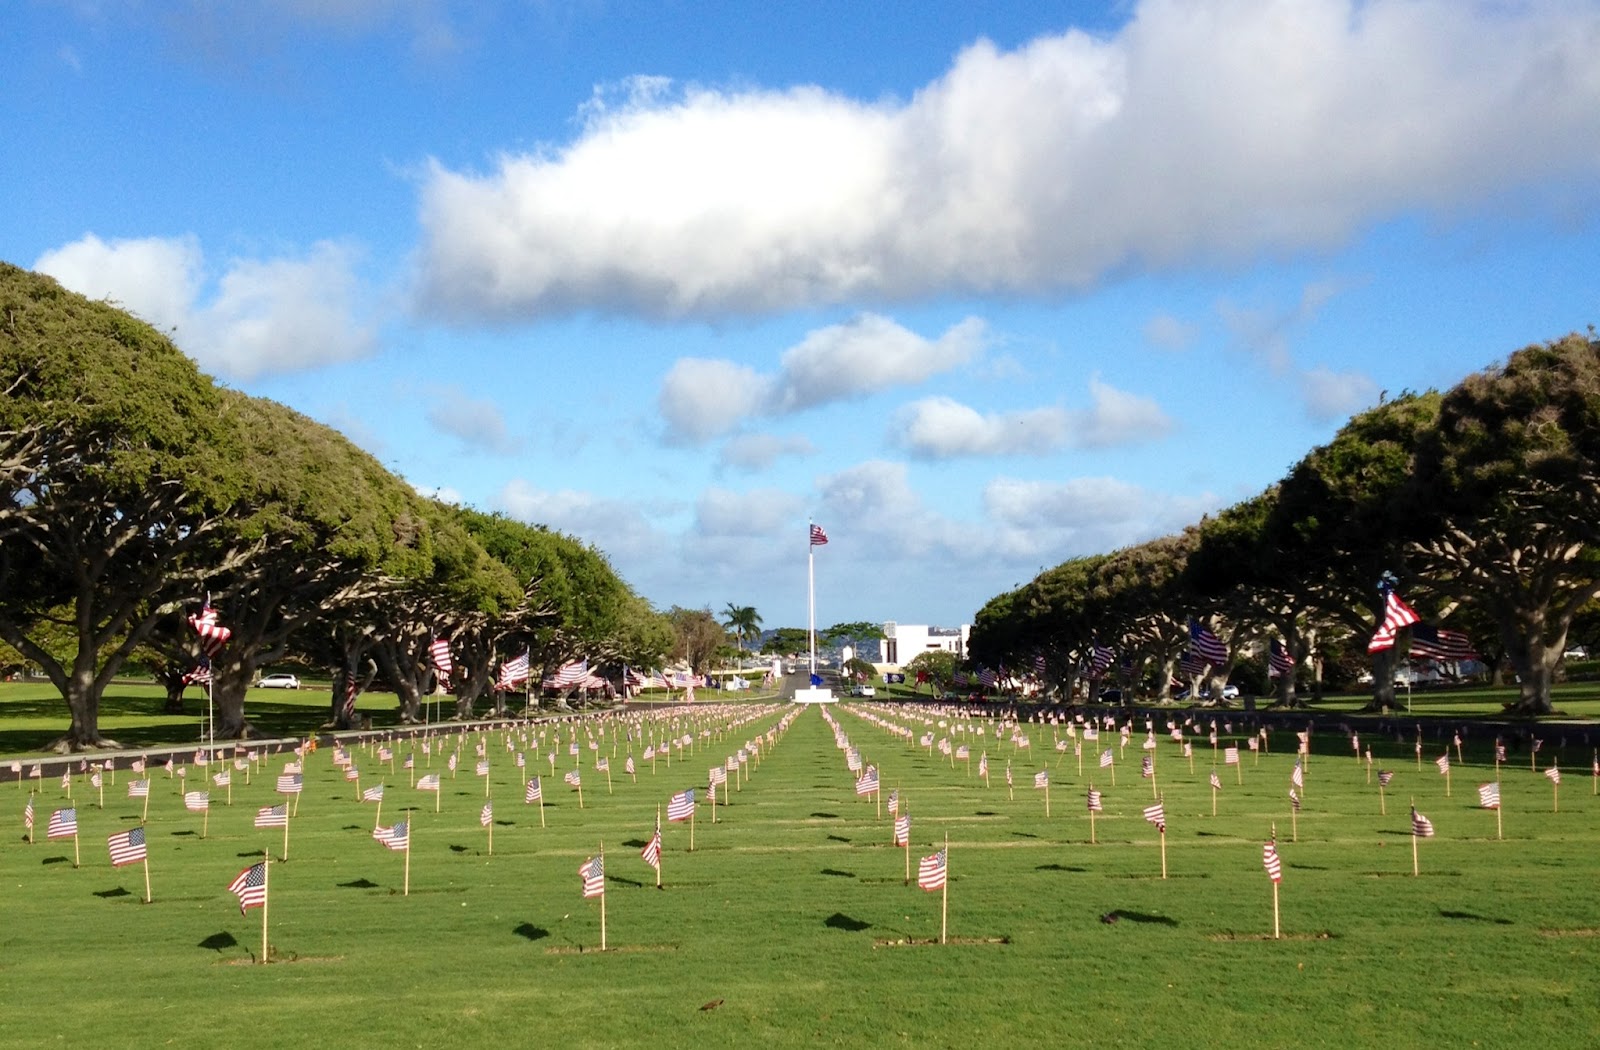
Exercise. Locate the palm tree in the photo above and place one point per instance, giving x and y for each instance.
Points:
(743, 621)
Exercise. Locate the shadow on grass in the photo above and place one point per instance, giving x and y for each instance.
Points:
(840, 921)
(354, 827)
(253, 853)
(838, 874)
(1024, 835)
(635, 843)
(1308, 867)
(1140, 917)
(218, 941)
(1472, 917)
(531, 932)
(359, 884)
(54, 860)
(182, 834)
(826, 816)
(837, 838)
(635, 883)
(986, 813)
(108, 894)
(460, 849)
(1057, 867)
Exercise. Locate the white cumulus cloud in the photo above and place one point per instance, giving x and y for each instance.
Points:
(261, 315)
(1200, 131)
(704, 398)
(942, 427)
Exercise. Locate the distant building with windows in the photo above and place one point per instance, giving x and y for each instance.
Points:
(903, 642)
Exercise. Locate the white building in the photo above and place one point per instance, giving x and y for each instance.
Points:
(903, 642)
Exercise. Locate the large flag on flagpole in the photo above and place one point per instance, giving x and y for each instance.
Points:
(1396, 614)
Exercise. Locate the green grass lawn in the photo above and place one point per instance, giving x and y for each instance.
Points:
(787, 925)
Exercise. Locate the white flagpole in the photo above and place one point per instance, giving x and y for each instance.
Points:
(811, 600)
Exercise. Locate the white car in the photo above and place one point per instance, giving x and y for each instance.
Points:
(279, 681)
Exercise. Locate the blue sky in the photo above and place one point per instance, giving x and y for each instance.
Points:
(978, 287)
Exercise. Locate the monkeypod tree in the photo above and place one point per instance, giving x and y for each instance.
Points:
(1507, 496)
(121, 509)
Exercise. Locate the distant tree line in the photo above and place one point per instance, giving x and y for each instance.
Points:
(1483, 502)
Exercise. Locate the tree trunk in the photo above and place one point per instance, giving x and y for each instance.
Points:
(230, 682)
(1535, 663)
(172, 680)
(1382, 682)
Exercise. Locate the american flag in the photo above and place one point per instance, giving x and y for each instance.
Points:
(196, 800)
(1278, 661)
(1041, 779)
(428, 782)
(534, 793)
(213, 635)
(1384, 776)
(1207, 644)
(894, 802)
(373, 794)
(1147, 768)
(222, 779)
(385, 754)
(1270, 861)
(352, 773)
(931, 871)
(439, 650)
(1435, 643)
(453, 761)
(1443, 762)
(1396, 614)
(483, 768)
(1096, 802)
(1216, 781)
(127, 847)
(902, 830)
(602, 764)
(397, 837)
(200, 674)
(486, 815)
(250, 887)
(983, 764)
(513, 672)
(1191, 663)
(1106, 758)
(963, 751)
(571, 673)
(411, 760)
(1554, 774)
(289, 784)
(1157, 815)
(272, 817)
(1420, 825)
(572, 777)
(1100, 657)
(1294, 800)
(818, 536)
(138, 788)
(681, 805)
(867, 783)
(652, 849)
(1489, 796)
(717, 775)
(27, 813)
(1008, 772)
(627, 766)
(593, 873)
(1230, 755)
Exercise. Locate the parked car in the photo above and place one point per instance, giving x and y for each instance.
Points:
(863, 690)
(279, 681)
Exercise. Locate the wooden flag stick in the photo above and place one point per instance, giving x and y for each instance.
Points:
(1213, 800)
(944, 896)
(377, 822)
(1383, 806)
(691, 823)
(411, 831)
(1294, 824)
(75, 849)
(1163, 852)
(608, 778)
(147, 877)
(602, 899)
(1497, 829)
(1047, 799)
(659, 851)
(1276, 935)
(266, 896)
(1414, 871)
